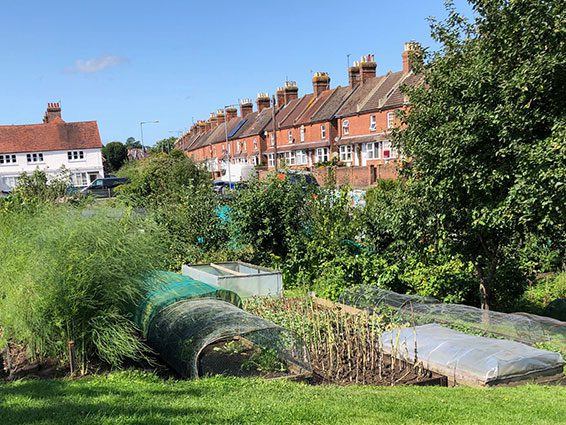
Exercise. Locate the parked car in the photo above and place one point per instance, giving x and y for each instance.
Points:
(298, 177)
(104, 188)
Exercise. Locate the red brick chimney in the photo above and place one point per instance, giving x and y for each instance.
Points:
(220, 118)
(263, 101)
(231, 112)
(280, 96)
(246, 107)
(213, 120)
(53, 111)
(410, 49)
(367, 68)
(208, 125)
(354, 74)
(291, 91)
(201, 127)
(320, 83)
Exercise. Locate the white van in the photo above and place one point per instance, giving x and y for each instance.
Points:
(238, 173)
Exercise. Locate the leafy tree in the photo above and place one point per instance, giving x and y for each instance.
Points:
(164, 145)
(116, 155)
(485, 135)
(132, 143)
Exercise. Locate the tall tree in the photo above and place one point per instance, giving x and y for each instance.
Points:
(132, 143)
(164, 145)
(485, 135)
(115, 154)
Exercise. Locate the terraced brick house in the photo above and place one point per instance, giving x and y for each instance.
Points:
(348, 126)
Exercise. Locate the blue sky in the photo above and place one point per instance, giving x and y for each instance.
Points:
(122, 62)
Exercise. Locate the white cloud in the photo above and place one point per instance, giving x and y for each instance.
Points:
(89, 66)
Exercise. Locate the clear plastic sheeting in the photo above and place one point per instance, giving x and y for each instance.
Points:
(181, 331)
(363, 296)
(471, 360)
(521, 327)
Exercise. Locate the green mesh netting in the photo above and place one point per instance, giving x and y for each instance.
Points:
(166, 288)
(180, 317)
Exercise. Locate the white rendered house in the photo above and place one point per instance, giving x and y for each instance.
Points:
(51, 146)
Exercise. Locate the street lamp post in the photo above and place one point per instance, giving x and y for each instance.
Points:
(141, 131)
(229, 151)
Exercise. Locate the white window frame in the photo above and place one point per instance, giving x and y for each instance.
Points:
(390, 120)
(321, 155)
(302, 157)
(389, 152)
(74, 156)
(372, 123)
(345, 127)
(271, 160)
(272, 139)
(34, 157)
(255, 144)
(80, 179)
(346, 153)
(323, 131)
(10, 181)
(373, 150)
(290, 158)
(290, 136)
(302, 133)
(8, 159)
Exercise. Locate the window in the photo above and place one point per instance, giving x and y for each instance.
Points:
(290, 136)
(346, 127)
(245, 145)
(255, 145)
(372, 123)
(321, 155)
(79, 179)
(255, 160)
(35, 157)
(8, 159)
(302, 158)
(75, 155)
(10, 182)
(290, 158)
(271, 160)
(390, 119)
(323, 131)
(302, 133)
(373, 150)
(238, 147)
(272, 138)
(346, 153)
(388, 151)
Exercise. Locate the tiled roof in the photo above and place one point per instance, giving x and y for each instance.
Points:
(336, 99)
(52, 136)
(313, 107)
(299, 146)
(376, 137)
(357, 98)
(381, 92)
(262, 119)
(398, 98)
(293, 110)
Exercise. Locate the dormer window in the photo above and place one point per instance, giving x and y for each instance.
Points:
(323, 131)
(372, 123)
(345, 127)
(302, 133)
(290, 136)
(75, 155)
(390, 119)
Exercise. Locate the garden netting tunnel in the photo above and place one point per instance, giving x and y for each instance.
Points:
(181, 318)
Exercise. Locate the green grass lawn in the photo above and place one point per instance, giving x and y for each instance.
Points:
(135, 398)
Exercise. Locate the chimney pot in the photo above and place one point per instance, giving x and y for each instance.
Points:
(291, 91)
(320, 83)
(53, 111)
(409, 50)
(246, 107)
(367, 68)
(263, 101)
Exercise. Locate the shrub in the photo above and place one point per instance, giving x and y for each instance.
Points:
(71, 275)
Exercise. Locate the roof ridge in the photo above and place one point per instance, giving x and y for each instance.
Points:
(299, 99)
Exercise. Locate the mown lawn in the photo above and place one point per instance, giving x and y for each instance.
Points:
(135, 398)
